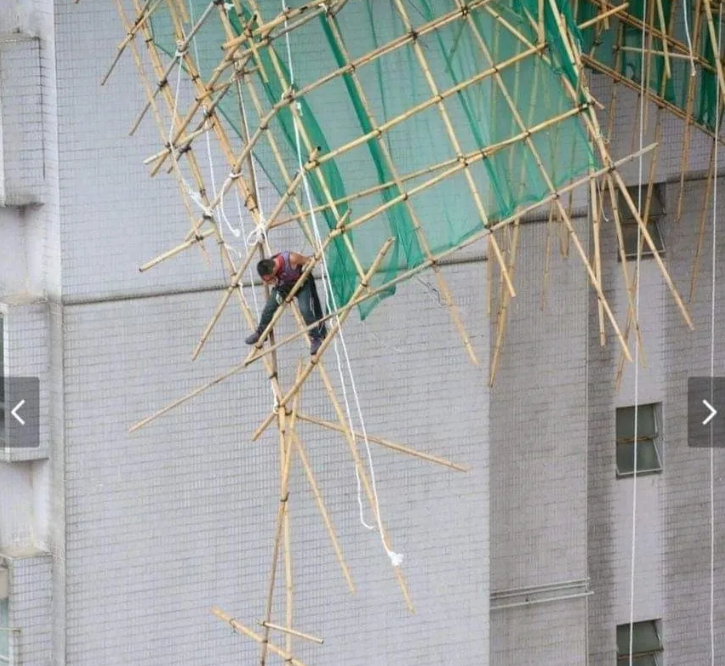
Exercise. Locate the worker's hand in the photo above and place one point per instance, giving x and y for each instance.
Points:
(279, 298)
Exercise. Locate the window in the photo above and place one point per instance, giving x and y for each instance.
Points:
(629, 223)
(648, 455)
(4, 633)
(646, 643)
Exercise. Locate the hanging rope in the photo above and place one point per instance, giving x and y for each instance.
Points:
(712, 345)
(636, 342)
(395, 558)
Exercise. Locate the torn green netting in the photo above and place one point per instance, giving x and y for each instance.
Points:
(602, 45)
(386, 90)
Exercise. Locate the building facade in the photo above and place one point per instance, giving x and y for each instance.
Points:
(114, 545)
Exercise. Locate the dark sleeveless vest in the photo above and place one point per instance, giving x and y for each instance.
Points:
(288, 275)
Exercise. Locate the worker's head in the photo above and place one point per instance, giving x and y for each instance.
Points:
(266, 269)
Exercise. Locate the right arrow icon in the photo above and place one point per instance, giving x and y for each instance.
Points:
(713, 411)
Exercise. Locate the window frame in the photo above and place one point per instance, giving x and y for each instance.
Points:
(5, 629)
(655, 654)
(657, 211)
(654, 440)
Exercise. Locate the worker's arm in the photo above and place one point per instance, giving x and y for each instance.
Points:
(298, 260)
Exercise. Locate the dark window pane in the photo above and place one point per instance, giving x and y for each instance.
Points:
(645, 638)
(646, 423)
(647, 457)
(4, 635)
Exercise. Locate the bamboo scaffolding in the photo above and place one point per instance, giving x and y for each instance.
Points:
(451, 166)
(386, 443)
(557, 202)
(417, 225)
(690, 100)
(375, 292)
(235, 283)
(346, 429)
(245, 631)
(232, 52)
(147, 89)
(340, 318)
(672, 42)
(270, 363)
(593, 125)
(148, 8)
(285, 461)
(181, 48)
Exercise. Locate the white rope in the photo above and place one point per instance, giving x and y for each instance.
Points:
(237, 232)
(712, 346)
(636, 344)
(689, 39)
(395, 558)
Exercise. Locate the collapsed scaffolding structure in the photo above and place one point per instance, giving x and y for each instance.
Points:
(369, 119)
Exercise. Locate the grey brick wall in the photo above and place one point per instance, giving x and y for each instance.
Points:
(178, 517)
(538, 457)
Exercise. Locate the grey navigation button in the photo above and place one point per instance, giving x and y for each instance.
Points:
(706, 412)
(20, 414)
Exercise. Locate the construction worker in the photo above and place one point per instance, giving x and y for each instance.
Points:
(284, 270)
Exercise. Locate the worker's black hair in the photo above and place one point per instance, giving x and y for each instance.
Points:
(265, 267)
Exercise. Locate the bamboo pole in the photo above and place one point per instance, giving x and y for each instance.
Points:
(284, 493)
(181, 48)
(148, 8)
(287, 449)
(703, 217)
(399, 278)
(547, 257)
(147, 89)
(198, 238)
(603, 16)
(596, 229)
(714, 41)
(690, 100)
(386, 444)
(245, 631)
(293, 632)
(666, 30)
(323, 510)
(503, 313)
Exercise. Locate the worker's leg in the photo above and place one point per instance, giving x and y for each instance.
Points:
(311, 311)
(273, 302)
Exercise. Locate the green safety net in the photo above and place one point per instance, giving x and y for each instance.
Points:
(602, 44)
(420, 145)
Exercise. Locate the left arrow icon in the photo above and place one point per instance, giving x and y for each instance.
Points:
(14, 412)
(713, 411)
